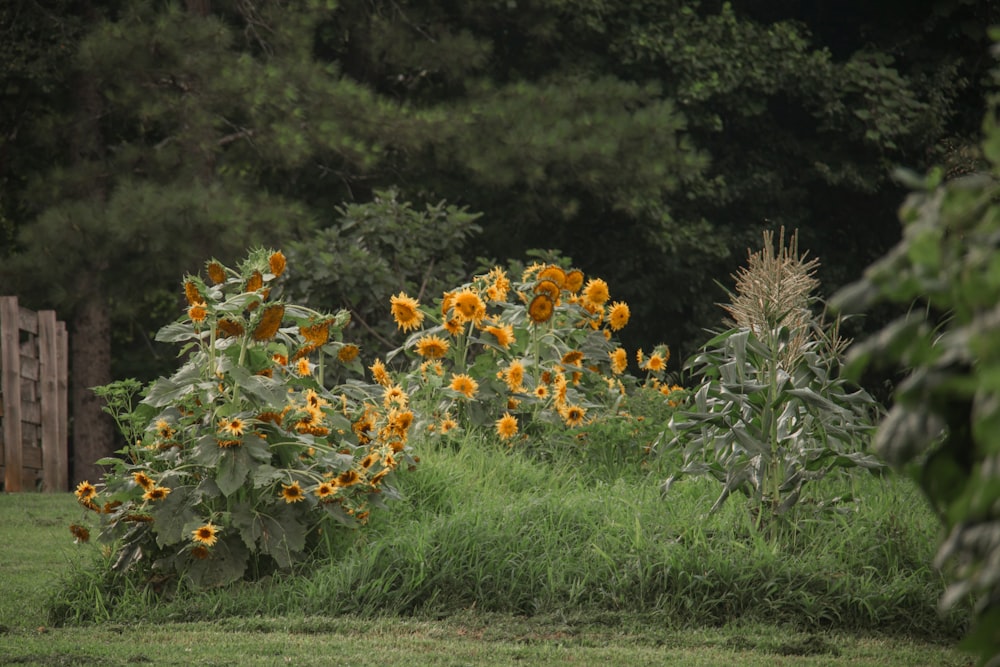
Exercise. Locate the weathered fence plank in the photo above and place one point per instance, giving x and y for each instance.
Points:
(33, 399)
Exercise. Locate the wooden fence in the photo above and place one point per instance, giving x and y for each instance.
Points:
(34, 356)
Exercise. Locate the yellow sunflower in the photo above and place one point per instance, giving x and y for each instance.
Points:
(574, 281)
(547, 287)
(235, 427)
(348, 352)
(197, 312)
(504, 333)
(254, 282)
(540, 309)
(143, 480)
(270, 322)
(553, 273)
(573, 358)
(469, 306)
(619, 315)
(85, 491)
(292, 493)
(379, 373)
(513, 376)
(447, 424)
(464, 384)
(506, 426)
(619, 361)
(432, 347)
(216, 272)
(326, 489)
(276, 262)
(596, 292)
(156, 493)
(192, 294)
(394, 396)
(406, 311)
(207, 534)
(573, 415)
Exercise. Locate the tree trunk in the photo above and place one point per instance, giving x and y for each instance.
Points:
(90, 335)
(90, 357)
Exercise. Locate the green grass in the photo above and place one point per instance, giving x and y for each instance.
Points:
(494, 557)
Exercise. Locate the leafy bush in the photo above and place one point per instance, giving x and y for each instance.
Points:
(771, 412)
(944, 425)
(243, 458)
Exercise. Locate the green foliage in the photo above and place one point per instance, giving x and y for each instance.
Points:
(376, 249)
(944, 426)
(241, 460)
(771, 412)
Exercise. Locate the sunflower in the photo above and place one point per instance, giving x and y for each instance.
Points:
(596, 292)
(541, 392)
(619, 361)
(348, 478)
(547, 287)
(554, 274)
(279, 359)
(506, 426)
(164, 430)
(143, 480)
(85, 491)
(619, 315)
(379, 373)
(453, 326)
(276, 262)
(513, 376)
(394, 396)
(197, 312)
(447, 424)
(228, 327)
(156, 493)
(270, 322)
(369, 460)
(348, 353)
(656, 362)
(574, 281)
(303, 367)
(207, 534)
(199, 552)
(432, 347)
(326, 489)
(499, 284)
(464, 384)
(406, 311)
(434, 366)
(504, 333)
(254, 282)
(235, 427)
(469, 306)
(399, 422)
(192, 293)
(573, 415)
(292, 493)
(81, 533)
(316, 333)
(216, 272)
(572, 358)
(540, 309)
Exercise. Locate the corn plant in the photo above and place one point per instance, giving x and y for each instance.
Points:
(770, 412)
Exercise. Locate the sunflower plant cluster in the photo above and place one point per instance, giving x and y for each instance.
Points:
(243, 460)
(519, 357)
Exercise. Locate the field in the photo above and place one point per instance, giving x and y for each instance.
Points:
(496, 557)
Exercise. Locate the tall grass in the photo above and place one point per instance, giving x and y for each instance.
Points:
(487, 528)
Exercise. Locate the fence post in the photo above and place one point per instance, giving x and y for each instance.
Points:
(62, 366)
(10, 344)
(54, 468)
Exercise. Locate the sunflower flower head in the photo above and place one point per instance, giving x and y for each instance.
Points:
(506, 426)
(619, 315)
(432, 347)
(596, 292)
(276, 262)
(207, 535)
(406, 311)
(464, 384)
(269, 322)
(292, 493)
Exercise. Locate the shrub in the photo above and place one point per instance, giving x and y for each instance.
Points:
(243, 458)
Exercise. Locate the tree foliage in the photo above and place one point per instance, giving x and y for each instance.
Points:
(945, 424)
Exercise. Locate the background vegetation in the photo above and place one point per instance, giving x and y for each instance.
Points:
(650, 143)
